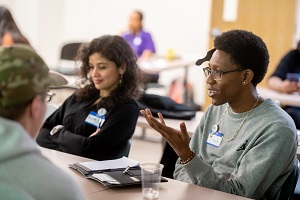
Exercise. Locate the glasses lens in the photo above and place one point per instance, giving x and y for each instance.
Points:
(217, 75)
(49, 96)
(206, 71)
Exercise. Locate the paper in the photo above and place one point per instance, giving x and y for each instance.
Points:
(105, 178)
(110, 164)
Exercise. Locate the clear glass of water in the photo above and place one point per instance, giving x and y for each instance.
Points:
(151, 177)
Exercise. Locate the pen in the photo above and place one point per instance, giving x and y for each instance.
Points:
(126, 170)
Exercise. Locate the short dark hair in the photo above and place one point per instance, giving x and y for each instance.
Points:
(117, 50)
(247, 50)
(140, 14)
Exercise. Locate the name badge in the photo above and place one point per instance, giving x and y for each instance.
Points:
(215, 139)
(93, 119)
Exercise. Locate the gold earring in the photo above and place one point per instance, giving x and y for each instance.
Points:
(121, 80)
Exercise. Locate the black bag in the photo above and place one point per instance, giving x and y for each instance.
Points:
(166, 106)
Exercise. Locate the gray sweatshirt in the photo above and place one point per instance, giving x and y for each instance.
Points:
(23, 169)
(255, 164)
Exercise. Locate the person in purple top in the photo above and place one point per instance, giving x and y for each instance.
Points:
(140, 41)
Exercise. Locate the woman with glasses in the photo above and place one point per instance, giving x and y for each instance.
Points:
(99, 119)
(245, 144)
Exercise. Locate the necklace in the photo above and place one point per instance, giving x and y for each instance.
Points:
(215, 128)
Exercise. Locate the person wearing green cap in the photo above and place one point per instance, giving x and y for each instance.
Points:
(24, 82)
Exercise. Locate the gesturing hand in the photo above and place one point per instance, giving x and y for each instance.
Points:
(178, 140)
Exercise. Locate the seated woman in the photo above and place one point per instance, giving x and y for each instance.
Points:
(98, 119)
(245, 144)
(141, 42)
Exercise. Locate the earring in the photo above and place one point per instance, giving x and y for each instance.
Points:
(244, 83)
(121, 80)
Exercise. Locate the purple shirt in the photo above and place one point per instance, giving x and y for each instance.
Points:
(139, 42)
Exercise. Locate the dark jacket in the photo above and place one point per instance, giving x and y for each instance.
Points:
(119, 126)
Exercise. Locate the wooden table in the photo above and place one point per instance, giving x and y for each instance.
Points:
(157, 64)
(93, 190)
(160, 63)
(61, 160)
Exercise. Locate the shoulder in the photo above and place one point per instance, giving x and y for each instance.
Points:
(73, 98)
(273, 118)
(67, 189)
(13, 192)
(126, 34)
(130, 103)
(292, 54)
(126, 106)
(144, 33)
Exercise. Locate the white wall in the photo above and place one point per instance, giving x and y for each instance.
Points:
(183, 26)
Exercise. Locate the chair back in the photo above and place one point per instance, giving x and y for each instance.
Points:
(124, 149)
(66, 63)
(69, 50)
(288, 188)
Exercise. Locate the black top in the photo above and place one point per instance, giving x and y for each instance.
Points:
(119, 126)
(290, 63)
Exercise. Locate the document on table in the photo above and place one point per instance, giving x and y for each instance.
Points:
(106, 165)
(106, 178)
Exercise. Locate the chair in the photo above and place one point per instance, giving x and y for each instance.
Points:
(288, 188)
(124, 149)
(67, 55)
(150, 80)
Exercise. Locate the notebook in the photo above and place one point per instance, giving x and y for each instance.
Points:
(105, 165)
(117, 172)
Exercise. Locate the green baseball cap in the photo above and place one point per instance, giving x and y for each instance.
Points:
(23, 74)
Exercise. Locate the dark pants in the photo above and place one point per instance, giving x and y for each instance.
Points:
(168, 159)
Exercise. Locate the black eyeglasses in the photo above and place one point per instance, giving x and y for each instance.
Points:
(48, 96)
(217, 74)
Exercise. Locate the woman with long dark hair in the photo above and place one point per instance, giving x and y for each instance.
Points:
(99, 118)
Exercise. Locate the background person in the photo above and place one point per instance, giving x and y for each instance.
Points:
(244, 144)
(23, 95)
(140, 41)
(9, 31)
(98, 119)
(290, 63)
